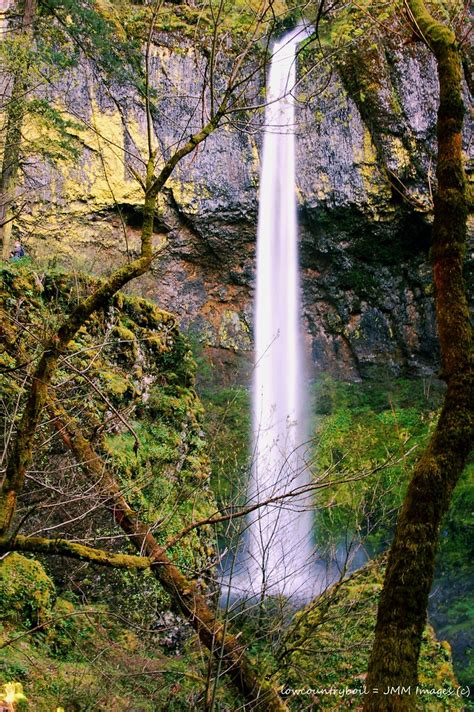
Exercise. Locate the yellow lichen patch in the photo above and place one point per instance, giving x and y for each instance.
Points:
(376, 188)
(100, 178)
(162, 53)
(255, 155)
(233, 332)
(37, 133)
(156, 343)
(124, 342)
(107, 10)
(323, 187)
(137, 133)
(370, 154)
(186, 194)
(115, 383)
(400, 153)
(279, 7)
(365, 152)
(129, 640)
(106, 173)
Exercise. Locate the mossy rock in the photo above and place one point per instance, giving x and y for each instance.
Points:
(331, 642)
(26, 591)
(129, 379)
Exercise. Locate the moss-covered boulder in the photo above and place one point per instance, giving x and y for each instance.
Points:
(26, 592)
(329, 643)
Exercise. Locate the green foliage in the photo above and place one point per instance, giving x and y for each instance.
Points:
(371, 436)
(350, 22)
(57, 666)
(361, 425)
(101, 38)
(457, 534)
(227, 426)
(360, 280)
(453, 603)
(128, 366)
(61, 634)
(157, 490)
(450, 12)
(140, 365)
(326, 645)
(52, 138)
(178, 365)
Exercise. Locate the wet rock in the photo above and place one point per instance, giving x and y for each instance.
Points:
(172, 632)
(365, 174)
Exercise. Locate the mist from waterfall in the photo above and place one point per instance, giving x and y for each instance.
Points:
(279, 542)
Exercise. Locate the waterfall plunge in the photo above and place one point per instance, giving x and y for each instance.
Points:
(277, 556)
(279, 549)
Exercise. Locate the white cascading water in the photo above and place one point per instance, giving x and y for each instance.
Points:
(279, 542)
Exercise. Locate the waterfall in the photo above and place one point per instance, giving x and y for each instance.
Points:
(279, 548)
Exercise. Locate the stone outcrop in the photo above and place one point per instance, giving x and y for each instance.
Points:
(365, 172)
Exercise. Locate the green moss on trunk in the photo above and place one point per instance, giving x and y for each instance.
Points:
(410, 569)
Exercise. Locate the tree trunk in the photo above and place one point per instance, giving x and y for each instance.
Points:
(14, 124)
(402, 608)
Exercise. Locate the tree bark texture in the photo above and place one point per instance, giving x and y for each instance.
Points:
(402, 608)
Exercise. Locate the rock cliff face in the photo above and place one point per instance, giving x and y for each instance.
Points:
(365, 171)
